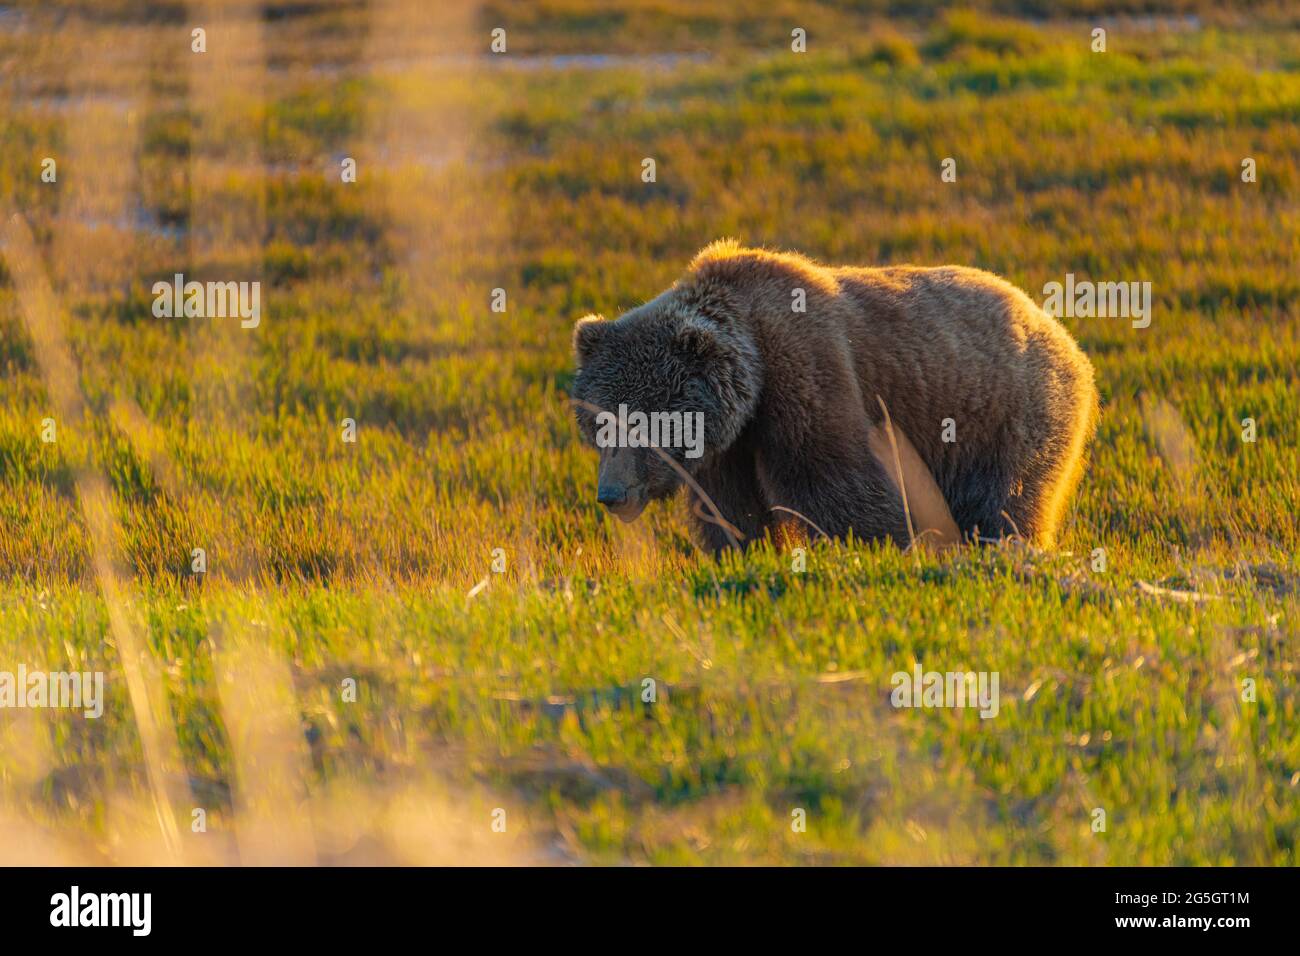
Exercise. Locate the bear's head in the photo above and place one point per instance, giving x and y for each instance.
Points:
(659, 392)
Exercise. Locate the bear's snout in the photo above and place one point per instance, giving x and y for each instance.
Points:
(611, 495)
(619, 487)
(623, 502)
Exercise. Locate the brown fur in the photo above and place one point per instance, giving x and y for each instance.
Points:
(790, 399)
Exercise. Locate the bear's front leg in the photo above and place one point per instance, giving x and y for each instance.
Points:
(829, 477)
(731, 482)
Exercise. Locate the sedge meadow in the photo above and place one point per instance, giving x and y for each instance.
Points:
(497, 628)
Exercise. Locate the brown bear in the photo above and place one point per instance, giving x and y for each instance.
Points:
(790, 362)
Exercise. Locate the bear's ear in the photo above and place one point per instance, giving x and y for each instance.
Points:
(698, 339)
(588, 333)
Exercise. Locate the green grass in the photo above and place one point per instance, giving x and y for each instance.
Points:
(773, 686)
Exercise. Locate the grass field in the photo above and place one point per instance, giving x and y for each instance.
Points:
(522, 691)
